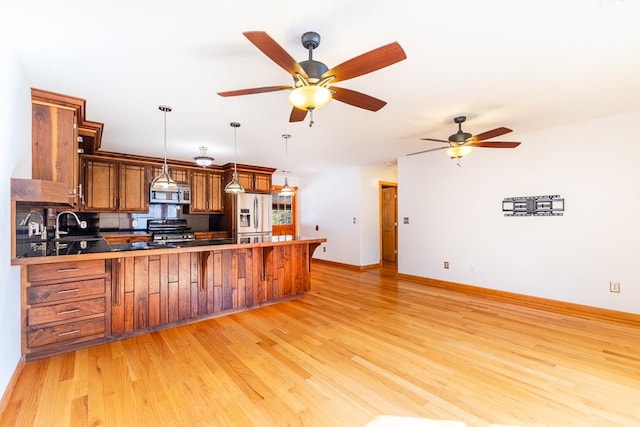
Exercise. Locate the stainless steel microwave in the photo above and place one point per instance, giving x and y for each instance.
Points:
(178, 196)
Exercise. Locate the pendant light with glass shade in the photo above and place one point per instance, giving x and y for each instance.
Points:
(164, 180)
(234, 186)
(287, 190)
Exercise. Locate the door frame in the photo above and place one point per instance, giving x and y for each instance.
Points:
(294, 210)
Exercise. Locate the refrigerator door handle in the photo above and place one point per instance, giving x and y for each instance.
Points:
(255, 213)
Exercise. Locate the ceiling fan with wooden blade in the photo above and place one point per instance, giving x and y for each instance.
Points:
(462, 143)
(313, 81)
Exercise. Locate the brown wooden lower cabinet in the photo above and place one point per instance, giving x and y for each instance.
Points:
(149, 291)
(126, 237)
(156, 290)
(64, 306)
(210, 235)
(68, 305)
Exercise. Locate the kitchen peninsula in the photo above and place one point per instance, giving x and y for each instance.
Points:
(89, 289)
(80, 293)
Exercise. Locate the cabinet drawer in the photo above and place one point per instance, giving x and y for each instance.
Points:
(37, 273)
(209, 235)
(76, 331)
(68, 310)
(127, 238)
(61, 291)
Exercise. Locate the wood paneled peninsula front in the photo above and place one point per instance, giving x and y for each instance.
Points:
(93, 292)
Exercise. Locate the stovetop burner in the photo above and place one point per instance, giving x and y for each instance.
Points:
(173, 224)
(170, 230)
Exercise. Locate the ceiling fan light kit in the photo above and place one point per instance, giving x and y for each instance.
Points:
(311, 78)
(459, 151)
(164, 181)
(310, 97)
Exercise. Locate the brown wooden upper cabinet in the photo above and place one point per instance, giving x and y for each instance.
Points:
(179, 175)
(54, 153)
(99, 184)
(133, 188)
(253, 182)
(111, 185)
(206, 192)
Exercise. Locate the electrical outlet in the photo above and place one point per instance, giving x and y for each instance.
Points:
(614, 287)
(446, 265)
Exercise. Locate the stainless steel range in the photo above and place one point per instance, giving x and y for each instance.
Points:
(170, 230)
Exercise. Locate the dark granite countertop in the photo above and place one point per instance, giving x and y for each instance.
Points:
(81, 245)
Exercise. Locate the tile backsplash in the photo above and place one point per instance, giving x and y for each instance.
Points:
(138, 221)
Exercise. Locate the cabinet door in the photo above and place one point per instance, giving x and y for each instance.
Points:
(99, 185)
(199, 192)
(54, 146)
(181, 176)
(206, 192)
(132, 189)
(246, 180)
(262, 182)
(134, 294)
(216, 204)
(148, 291)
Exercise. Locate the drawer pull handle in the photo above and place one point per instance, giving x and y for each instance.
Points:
(69, 291)
(66, 270)
(73, 310)
(75, 331)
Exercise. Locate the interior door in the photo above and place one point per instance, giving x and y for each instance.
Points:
(283, 214)
(389, 219)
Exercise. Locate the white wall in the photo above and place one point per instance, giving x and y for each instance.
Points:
(455, 215)
(333, 210)
(15, 161)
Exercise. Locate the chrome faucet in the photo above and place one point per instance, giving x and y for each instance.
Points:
(83, 224)
(40, 230)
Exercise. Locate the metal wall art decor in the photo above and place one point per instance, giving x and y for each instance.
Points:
(533, 206)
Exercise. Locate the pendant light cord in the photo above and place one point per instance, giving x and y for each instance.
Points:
(165, 140)
(286, 137)
(235, 126)
(165, 109)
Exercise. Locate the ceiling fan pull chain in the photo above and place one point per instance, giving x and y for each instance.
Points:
(311, 122)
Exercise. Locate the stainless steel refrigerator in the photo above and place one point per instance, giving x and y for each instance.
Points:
(253, 214)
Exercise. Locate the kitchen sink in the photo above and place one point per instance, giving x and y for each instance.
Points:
(141, 246)
(67, 245)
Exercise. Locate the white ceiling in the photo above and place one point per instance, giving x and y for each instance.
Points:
(526, 65)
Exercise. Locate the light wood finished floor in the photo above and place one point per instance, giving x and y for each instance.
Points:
(361, 349)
